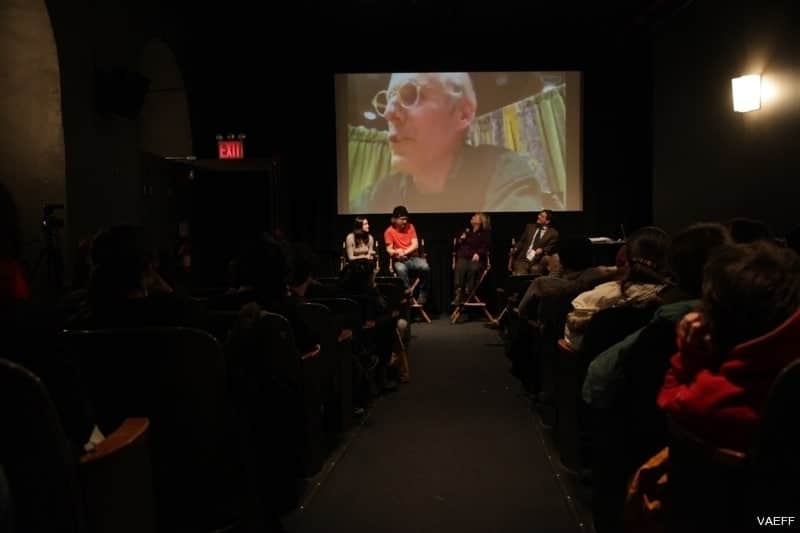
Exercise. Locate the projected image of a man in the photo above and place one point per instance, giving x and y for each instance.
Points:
(428, 117)
(432, 166)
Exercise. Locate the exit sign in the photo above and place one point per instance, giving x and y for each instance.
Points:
(230, 149)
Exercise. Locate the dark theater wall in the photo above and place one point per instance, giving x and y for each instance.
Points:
(31, 132)
(285, 103)
(710, 162)
(102, 169)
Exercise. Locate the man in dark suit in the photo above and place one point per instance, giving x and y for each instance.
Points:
(536, 243)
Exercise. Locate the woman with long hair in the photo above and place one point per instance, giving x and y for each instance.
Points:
(360, 244)
(471, 253)
(361, 255)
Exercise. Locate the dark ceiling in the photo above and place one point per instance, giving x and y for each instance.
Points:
(268, 70)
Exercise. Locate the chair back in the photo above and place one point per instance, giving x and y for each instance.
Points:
(707, 487)
(267, 387)
(347, 312)
(393, 294)
(776, 467)
(511, 254)
(38, 463)
(177, 378)
(609, 326)
(376, 249)
(318, 375)
(391, 280)
(219, 323)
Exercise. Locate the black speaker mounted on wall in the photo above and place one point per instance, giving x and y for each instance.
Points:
(120, 91)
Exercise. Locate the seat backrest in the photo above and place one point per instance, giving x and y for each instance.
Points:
(321, 322)
(219, 323)
(609, 326)
(267, 387)
(177, 378)
(315, 372)
(392, 293)
(554, 305)
(775, 453)
(349, 312)
(41, 472)
(707, 484)
(391, 280)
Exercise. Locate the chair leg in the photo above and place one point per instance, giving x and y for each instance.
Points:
(454, 316)
(496, 320)
(421, 309)
(413, 286)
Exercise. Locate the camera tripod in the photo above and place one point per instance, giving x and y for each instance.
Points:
(50, 256)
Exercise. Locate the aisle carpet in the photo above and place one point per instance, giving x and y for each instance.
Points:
(456, 450)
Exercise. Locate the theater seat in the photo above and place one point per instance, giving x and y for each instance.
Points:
(107, 490)
(177, 378)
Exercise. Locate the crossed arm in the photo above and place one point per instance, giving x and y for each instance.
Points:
(400, 253)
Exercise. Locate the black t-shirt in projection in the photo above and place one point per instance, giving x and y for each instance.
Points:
(484, 178)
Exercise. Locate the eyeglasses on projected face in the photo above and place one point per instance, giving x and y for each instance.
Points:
(408, 95)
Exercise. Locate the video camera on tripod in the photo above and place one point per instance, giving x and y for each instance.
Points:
(50, 255)
(49, 220)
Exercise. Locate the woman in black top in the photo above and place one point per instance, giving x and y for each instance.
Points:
(471, 253)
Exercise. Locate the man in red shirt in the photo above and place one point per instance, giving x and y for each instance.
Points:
(403, 247)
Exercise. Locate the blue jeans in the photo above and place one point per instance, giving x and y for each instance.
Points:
(412, 266)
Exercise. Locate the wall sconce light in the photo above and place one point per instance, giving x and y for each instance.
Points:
(746, 93)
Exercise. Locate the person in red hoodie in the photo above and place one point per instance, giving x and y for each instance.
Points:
(731, 351)
(13, 287)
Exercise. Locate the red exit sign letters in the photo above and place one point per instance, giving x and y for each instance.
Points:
(230, 149)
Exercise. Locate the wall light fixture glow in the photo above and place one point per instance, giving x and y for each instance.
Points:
(746, 93)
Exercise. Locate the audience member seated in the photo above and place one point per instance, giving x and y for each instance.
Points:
(302, 262)
(29, 333)
(745, 230)
(537, 242)
(126, 290)
(793, 239)
(730, 352)
(471, 253)
(13, 286)
(575, 274)
(622, 383)
(6, 504)
(640, 286)
(359, 281)
(649, 348)
(264, 273)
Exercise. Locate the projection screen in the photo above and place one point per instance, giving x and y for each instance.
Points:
(458, 142)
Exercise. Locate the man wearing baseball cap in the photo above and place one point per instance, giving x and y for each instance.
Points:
(402, 246)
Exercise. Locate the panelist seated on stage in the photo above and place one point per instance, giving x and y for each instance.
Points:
(359, 243)
(402, 246)
(537, 243)
(471, 252)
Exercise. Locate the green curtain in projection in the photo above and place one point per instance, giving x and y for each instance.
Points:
(368, 158)
(553, 116)
(534, 126)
